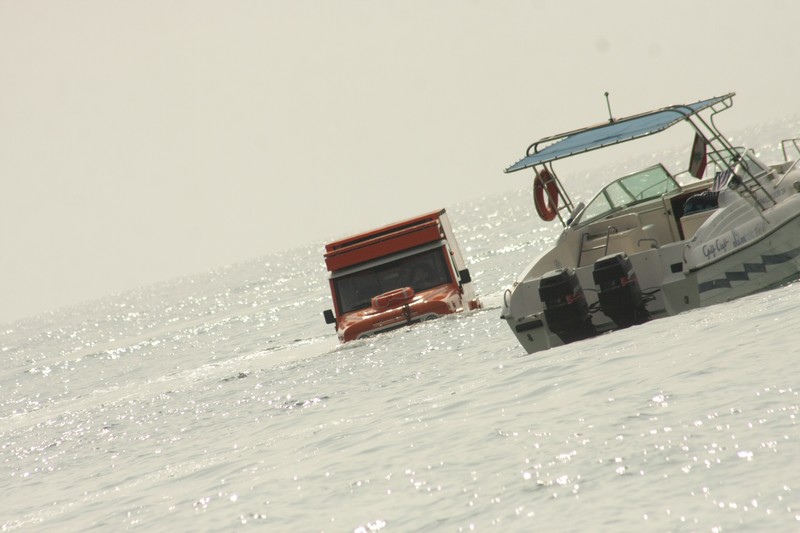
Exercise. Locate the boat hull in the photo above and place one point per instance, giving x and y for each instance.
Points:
(760, 254)
(764, 264)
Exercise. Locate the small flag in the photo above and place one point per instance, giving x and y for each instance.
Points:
(721, 180)
(697, 164)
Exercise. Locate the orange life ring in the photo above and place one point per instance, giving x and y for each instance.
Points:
(548, 208)
(396, 296)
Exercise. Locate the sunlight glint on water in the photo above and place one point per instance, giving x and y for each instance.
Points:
(223, 400)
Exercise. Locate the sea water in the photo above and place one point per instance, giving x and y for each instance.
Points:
(222, 401)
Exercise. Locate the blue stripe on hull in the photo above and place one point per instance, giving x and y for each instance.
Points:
(749, 268)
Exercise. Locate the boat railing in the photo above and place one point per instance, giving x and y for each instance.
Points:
(749, 178)
(747, 174)
(795, 145)
(788, 164)
(733, 159)
(586, 236)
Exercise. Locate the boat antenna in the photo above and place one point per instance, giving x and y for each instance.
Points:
(608, 104)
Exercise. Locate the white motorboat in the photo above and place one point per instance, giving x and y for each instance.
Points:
(646, 246)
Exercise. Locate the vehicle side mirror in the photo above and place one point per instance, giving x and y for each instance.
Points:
(464, 275)
(329, 318)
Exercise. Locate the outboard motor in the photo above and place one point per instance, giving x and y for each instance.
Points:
(618, 290)
(565, 307)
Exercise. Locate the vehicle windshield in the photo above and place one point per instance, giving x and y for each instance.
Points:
(635, 188)
(420, 272)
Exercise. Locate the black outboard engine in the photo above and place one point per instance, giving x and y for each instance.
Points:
(618, 290)
(565, 307)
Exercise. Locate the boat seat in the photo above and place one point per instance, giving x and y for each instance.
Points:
(701, 202)
(618, 224)
(623, 234)
(709, 199)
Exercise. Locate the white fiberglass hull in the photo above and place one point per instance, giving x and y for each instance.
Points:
(763, 264)
(751, 254)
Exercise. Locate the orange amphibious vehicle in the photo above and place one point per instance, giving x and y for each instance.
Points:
(397, 275)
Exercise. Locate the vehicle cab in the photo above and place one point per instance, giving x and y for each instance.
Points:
(396, 275)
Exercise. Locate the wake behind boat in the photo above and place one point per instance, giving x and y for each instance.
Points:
(646, 246)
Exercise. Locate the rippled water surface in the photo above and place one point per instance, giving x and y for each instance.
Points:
(223, 401)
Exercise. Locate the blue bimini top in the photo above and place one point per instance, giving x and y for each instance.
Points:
(613, 132)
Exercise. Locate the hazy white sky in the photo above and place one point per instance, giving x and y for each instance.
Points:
(142, 140)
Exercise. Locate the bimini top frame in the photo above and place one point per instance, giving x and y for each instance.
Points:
(616, 131)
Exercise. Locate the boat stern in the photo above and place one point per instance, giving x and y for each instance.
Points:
(523, 311)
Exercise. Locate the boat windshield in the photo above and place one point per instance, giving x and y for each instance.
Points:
(421, 272)
(638, 187)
